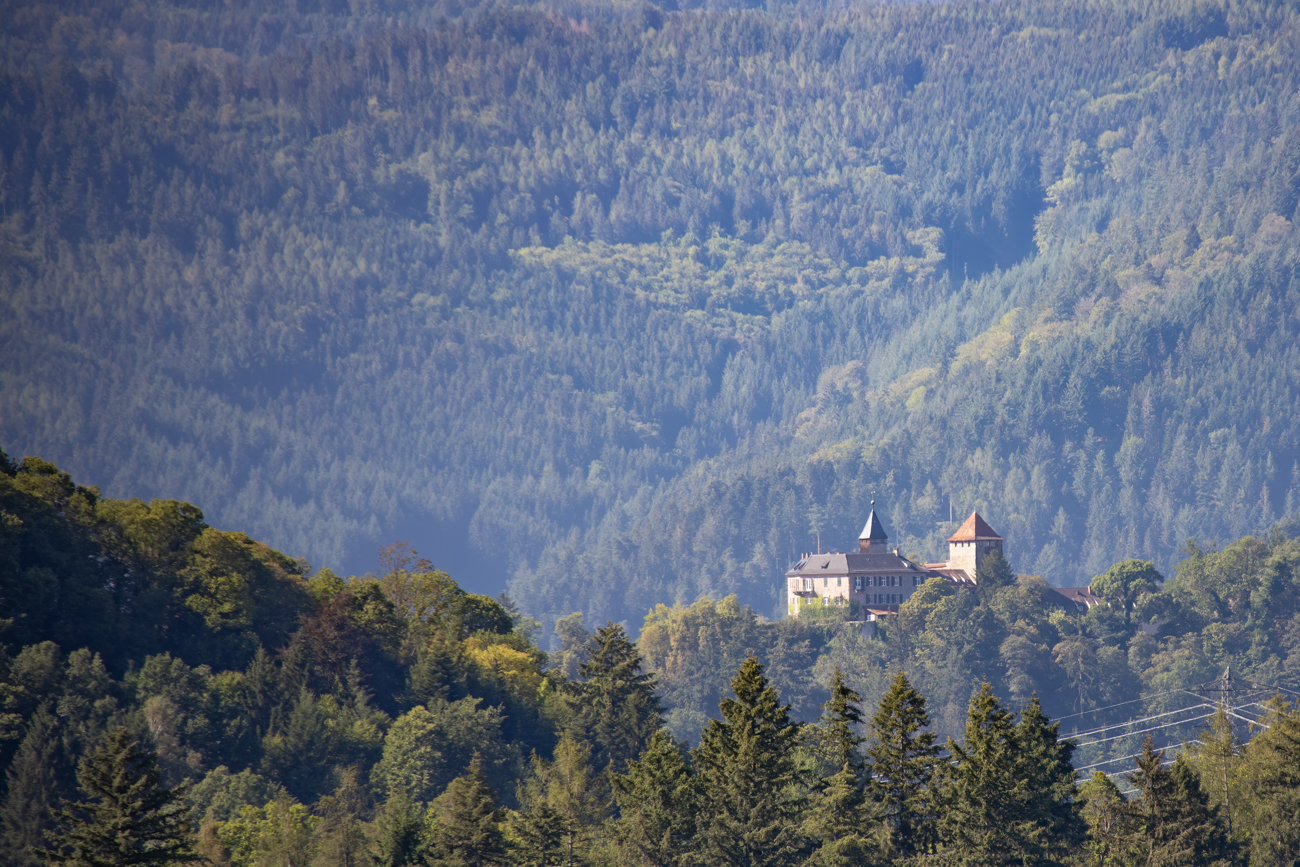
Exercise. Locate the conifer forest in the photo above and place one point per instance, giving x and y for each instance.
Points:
(610, 310)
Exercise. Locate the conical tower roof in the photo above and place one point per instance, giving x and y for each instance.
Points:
(975, 529)
(874, 531)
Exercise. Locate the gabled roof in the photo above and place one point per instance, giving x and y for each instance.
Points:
(1082, 597)
(874, 530)
(975, 529)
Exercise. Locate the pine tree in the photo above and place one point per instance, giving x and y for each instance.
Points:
(26, 812)
(903, 757)
(402, 839)
(126, 817)
(467, 824)
(1173, 821)
(745, 763)
(657, 801)
(617, 703)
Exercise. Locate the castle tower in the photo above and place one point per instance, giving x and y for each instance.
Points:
(873, 538)
(973, 540)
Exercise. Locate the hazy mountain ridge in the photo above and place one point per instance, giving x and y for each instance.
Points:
(557, 284)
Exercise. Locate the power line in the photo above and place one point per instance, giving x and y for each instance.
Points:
(1135, 755)
(1223, 686)
(1130, 722)
(1224, 689)
(1120, 704)
(1144, 731)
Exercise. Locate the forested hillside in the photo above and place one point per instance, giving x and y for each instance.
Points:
(642, 303)
(196, 693)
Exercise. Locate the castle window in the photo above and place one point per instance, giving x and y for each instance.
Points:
(858, 583)
(839, 582)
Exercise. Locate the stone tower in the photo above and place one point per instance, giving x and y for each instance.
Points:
(973, 540)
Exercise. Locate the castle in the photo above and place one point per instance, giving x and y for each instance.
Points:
(875, 580)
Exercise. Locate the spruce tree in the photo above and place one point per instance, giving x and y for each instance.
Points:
(745, 762)
(993, 573)
(1053, 823)
(467, 822)
(1174, 823)
(657, 801)
(126, 816)
(616, 702)
(836, 823)
(341, 838)
(987, 801)
(903, 757)
(537, 836)
(1216, 758)
(1269, 780)
(835, 737)
(26, 813)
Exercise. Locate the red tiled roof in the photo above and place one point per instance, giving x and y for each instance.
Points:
(975, 528)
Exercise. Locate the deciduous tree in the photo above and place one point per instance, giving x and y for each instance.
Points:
(1126, 582)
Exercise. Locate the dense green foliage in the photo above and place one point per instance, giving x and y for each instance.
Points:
(398, 720)
(659, 296)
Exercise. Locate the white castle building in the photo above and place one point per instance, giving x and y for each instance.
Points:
(876, 580)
